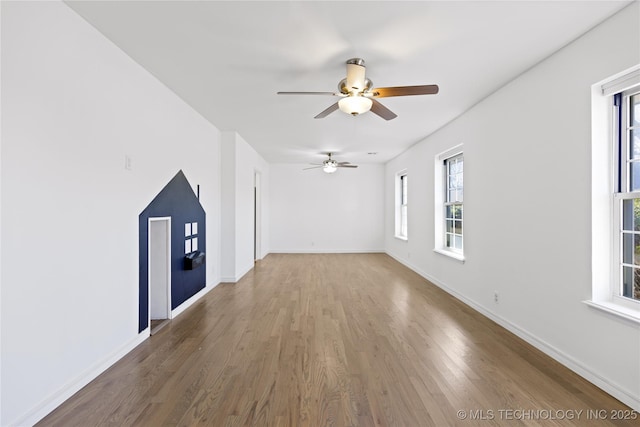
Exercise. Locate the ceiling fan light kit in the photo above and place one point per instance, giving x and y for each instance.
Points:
(355, 105)
(330, 166)
(358, 95)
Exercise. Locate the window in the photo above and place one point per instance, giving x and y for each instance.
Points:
(615, 195)
(191, 239)
(453, 205)
(627, 197)
(401, 204)
(448, 191)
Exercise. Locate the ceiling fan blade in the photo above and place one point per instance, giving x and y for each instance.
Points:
(326, 112)
(344, 163)
(312, 167)
(382, 92)
(382, 111)
(307, 93)
(347, 166)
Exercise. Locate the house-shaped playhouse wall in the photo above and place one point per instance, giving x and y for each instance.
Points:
(178, 201)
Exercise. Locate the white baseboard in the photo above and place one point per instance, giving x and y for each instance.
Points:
(236, 279)
(245, 270)
(615, 390)
(188, 303)
(54, 400)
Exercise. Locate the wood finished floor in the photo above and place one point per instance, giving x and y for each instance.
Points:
(333, 340)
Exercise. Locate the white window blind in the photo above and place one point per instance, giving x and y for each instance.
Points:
(622, 83)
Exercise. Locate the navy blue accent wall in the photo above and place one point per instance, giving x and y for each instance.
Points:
(178, 201)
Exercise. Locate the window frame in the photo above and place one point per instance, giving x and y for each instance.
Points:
(458, 202)
(441, 201)
(623, 161)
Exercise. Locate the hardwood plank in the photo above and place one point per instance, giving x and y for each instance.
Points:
(332, 339)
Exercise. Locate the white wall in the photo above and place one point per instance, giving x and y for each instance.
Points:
(312, 211)
(228, 218)
(240, 164)
(249, 162)
(73, 105)
(527, 207)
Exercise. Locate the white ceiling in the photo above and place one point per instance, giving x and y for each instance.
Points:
(228, 60)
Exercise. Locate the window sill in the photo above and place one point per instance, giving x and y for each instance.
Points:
(401, 237)
(615, 309)
(450, 254)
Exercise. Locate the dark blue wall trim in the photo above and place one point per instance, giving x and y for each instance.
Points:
(178, 201)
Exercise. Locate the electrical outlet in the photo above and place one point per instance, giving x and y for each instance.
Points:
(495, 297)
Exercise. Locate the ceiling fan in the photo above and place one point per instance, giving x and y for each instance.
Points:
(330, 165)
(358, 95)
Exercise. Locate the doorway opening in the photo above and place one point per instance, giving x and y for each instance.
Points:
(159, 272)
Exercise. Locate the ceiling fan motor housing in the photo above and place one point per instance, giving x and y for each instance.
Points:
(344, 88)
(355, 82)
